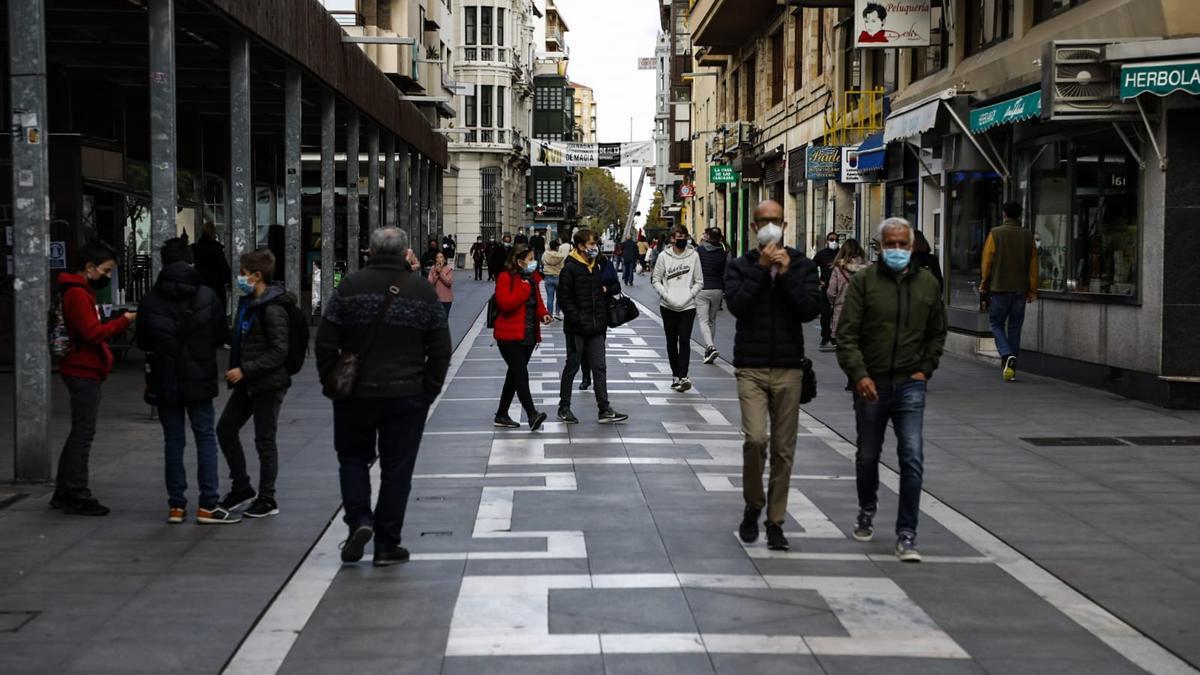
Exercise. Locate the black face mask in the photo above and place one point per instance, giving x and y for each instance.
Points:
(681, 244)
(100, 284)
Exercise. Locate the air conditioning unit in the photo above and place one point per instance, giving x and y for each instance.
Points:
(1077, 82)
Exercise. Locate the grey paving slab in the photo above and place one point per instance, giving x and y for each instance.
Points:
(652, 664)
(524, 665)
(620, 611)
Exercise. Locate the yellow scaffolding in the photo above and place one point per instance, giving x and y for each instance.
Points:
(859, 115)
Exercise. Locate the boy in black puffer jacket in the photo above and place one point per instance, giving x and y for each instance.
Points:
(180, 325)
(259, 378)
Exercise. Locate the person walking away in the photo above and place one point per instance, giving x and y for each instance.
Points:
(584, 297)
(773, 291)
(923, 256)
(1010, 280)
(643, 253)
(259, 380)
(518, 332)
(179, 327)
(678, 280)
(211, 262)
(478, 256)
(849, 261)
(400, 373)
(537, 243)
(824, 260)
(84, 369)
(500, 256)
(552, 264)
(441, 275)
(629, 257)
(714, 260)
(890, 338)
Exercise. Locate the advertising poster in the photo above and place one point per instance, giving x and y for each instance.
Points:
(559, 153)
(891, 23)
(823, 162)
(850, 173)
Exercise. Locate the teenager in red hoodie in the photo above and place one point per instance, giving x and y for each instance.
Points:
(84, 370)
(518, 331)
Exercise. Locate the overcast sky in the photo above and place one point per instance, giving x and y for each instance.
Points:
(606, 39)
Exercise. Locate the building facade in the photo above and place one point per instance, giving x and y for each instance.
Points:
(493, 73)
(585, 113)
(553, 192)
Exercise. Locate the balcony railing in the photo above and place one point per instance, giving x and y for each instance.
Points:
(859, 115)
(485, 54)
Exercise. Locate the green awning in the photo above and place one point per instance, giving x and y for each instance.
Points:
(1016, 109)
(1160, 79)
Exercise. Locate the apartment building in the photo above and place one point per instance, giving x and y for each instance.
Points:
(553, 192)
(1062, 105)
(585, 113)
(489, 149)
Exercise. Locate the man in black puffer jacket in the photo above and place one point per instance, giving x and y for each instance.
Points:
(259, 378)
(584, 288)
(180, 324)
(773, 291)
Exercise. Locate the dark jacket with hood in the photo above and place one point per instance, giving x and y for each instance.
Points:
(771, 310)
(180, 324)
(213, 265)
(583, 294)
(260, 340)
(411, 351)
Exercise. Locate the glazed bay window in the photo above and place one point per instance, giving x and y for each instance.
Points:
(470, 112)
(1086, 210)
(988, 22)
(471, 33)
(928, 60)
(548, 191)
(483, 34)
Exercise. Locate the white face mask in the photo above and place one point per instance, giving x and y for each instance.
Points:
(771, 233)
(833, 246)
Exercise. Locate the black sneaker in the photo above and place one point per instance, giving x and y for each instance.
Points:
(587, 382)
(506, 422)
(238, 498)
(83, 507)
(775, 539)
(261, 508)
(390, 556)
(567, 417)
(906, 548)
(610, 416)
(711, 354)
(864, 527)
(352, 548)
(675, 383)
(748, 530)
(536, 421)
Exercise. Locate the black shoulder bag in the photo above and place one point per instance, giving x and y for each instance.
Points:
(338, 382)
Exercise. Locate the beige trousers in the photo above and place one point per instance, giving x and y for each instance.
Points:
(770, 402)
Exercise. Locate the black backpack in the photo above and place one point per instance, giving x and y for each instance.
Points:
(297, 338)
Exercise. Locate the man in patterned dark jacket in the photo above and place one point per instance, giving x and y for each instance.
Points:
(399, 376)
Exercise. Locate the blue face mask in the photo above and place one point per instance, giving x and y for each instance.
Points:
(531, 267)
(897, 258)
(244, 285)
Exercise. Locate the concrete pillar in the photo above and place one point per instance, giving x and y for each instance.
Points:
(353, 206)
(293, 222)
(163, 161)
(31, 237)
(328, 205)
(405, 203)
(241, 180)
(373, 178)
(389, 181)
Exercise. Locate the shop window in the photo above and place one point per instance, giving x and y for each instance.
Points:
(777, 75)
(935, 57)
(976, 199)
(1045, 9)
(988, 22)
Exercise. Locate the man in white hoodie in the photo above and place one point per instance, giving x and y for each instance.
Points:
(678, 279)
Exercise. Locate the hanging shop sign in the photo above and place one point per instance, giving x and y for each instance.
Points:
(891, 23)
(722, 173)
(1025, 107)
(558, 153)
(850, 170)
(1160, 79)
(823, 162)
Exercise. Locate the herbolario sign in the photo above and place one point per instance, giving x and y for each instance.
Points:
(1160, 79)
(884, 24)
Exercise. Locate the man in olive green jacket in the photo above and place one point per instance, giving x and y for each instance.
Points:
(889, 341)
(1010, 280)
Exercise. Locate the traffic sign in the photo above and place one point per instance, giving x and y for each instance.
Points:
(687, 191)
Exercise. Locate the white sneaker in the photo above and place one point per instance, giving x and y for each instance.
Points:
(710, 354)
(684, 385)
(675, 383)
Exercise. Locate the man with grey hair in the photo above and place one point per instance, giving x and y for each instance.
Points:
(391, 319)
(889, 341)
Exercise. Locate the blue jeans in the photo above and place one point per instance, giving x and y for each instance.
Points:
(1007, 308)
(203, 417)
(904, 405)
(630, 268)
(551, 292)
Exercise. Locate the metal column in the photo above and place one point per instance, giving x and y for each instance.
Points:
(163, 163)
(373, 178)
(31, 234)
(293, 260)
(353, 205)
(418, 199)
(389, 181)
(241, 183)
(328, 205)
(403, 199)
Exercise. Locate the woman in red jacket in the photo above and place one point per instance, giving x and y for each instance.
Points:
(83, 370)
(518, 331)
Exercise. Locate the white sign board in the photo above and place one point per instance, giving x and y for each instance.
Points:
(882, 24)
(557, 153)
(850, 172)
(650, 63)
